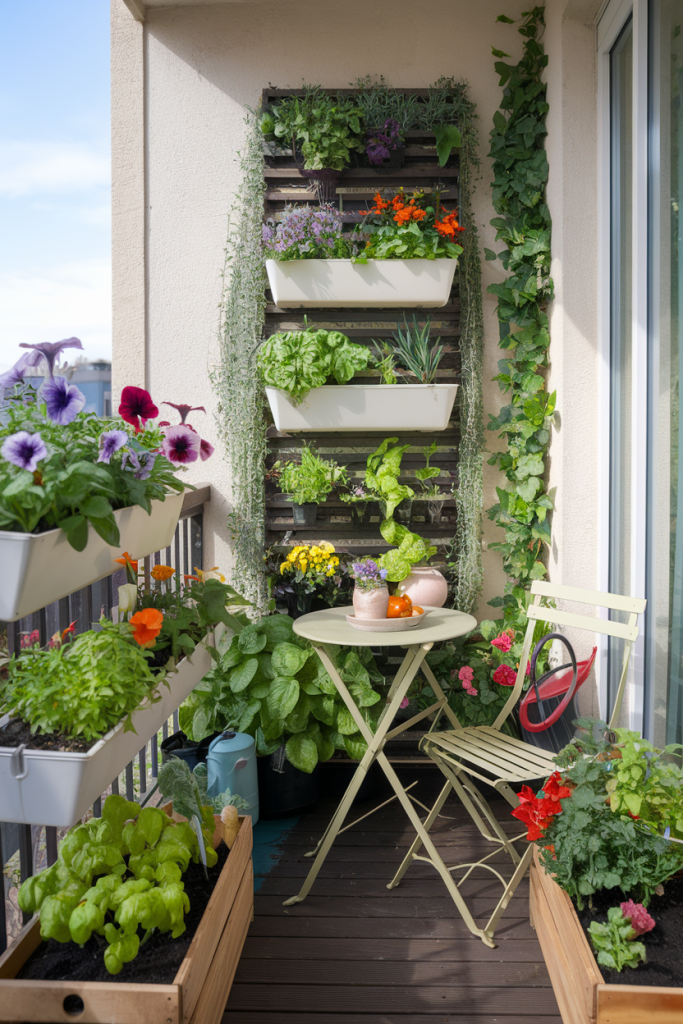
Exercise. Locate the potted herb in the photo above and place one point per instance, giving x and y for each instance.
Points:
(80, 709)
(385, 146)
(120, 890)
(370, 594)
(74, 487)
(296, 366)
(309, 482)
(408, 256)
(431, 494)
(323, 129)
(381, 480)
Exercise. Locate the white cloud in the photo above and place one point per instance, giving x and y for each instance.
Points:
(73, 299)
(27, 168)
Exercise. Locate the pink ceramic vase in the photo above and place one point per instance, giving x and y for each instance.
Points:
(371, 604)
(425, 586)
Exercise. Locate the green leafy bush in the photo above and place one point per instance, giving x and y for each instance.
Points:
(118, 876)
(646, 785)
(312, 479)
(270, 684)
(81, 689)
(410, 549)
(298, 361)
(613, 941)
(326, 129)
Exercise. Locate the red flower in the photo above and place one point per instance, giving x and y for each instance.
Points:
(537, 812)
(136, 404)
(505, 675)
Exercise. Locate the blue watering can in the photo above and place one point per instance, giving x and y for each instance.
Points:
(231, 764)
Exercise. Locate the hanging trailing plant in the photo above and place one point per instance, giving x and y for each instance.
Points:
(237, 380)
(520, 168)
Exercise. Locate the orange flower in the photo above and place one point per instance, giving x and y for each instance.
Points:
(449, 225)
(162, 572)
(125, 559)
(147, 625)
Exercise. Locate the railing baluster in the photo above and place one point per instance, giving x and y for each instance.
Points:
(25, 859)
(186, 551)
(142, 759)
(115, 785)
(97, 808)
(130, 790)
(176, 721)
(154, 754)
(51, 844)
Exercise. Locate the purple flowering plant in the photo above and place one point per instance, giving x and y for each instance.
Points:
(367, 574)
(61, 466)
(306, 233)
(382, 141)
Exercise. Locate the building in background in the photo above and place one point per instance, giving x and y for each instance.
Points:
(94, 380)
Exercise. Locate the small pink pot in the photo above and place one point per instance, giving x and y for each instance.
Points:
(371, 604)
(425, 586)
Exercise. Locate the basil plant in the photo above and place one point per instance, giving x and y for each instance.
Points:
(271, 684)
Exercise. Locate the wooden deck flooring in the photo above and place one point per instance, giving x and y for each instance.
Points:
(358, 953)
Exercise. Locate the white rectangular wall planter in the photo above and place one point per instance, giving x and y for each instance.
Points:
(328, 284)
(37, 569)
(52, 787)
(363, 407)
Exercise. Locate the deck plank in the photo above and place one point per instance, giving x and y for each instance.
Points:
(355, 952)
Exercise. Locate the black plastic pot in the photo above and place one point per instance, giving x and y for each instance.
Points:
(403, 513)
(178, 745)
(395, 161)
(302, 604)
(363, 511)
(306, 514)
(283, 789)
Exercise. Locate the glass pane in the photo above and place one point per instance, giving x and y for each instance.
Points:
(665, 583)
(621, 145)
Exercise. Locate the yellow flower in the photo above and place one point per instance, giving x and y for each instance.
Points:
(209, 574)
(162, 572)
(291, 557)
(326, 546)
(303, 563)
(283, 568)
(330, 572)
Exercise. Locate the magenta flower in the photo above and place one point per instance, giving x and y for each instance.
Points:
(16, 374)
(185, 410)
(137, 405)
(63, 400)
(465, 675)
(641, 921)
(502, 642)
(24, 450)
(206, 450)
(51, 349)
(505, 676)
(110, 442)
(181, 445)
(404, 703)
(29, 639)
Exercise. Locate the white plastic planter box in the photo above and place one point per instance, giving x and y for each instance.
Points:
(52, 787)
(365, 407)
(340, 283)
(37, 569)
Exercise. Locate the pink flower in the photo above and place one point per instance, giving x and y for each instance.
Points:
(502, 642)
(504, 675)
(528, 668)
(404, 703)
(465, 675)
(641, 921)
(471, 691)
(29, 639)
(181, 445)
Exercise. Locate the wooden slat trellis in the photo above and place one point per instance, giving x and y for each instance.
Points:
(354, 192)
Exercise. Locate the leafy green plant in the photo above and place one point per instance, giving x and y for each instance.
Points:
(415, 350)
(270, 684)
(118, 876)
(326, 128)
(381, 476)
(385, 361)
(312, 479)
(429, 473)
(83, 688)
(613, 941)
(298, 361)
(60, 474)
(520, 167)
(646, 785)
(410, 549)
(413, 226)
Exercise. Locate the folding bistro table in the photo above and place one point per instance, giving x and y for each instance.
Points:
(330, 628)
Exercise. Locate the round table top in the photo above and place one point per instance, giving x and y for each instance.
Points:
(330, 627)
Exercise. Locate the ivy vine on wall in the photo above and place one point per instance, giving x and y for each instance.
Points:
(520, 167)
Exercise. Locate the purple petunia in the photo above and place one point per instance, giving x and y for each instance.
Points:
(110, 442)
(24, 450)
(181, 445)
(16, 374)
(63, 400)
(142, 468)
(51, 349)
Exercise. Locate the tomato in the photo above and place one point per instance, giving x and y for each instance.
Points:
(417, 610)
(400, 607)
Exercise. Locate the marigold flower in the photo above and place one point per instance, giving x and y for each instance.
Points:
(125, 559)
(146, 625)
(162, 572)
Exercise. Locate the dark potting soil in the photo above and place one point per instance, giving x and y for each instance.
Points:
(17, 732)
(157, 962)
(663, 945)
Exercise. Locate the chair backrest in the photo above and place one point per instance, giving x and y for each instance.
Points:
(543, 591)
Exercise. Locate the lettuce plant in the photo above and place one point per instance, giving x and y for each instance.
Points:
(83, 688)
(614, 941)
(381, 475)
(270, 684)
(411, 549)
(298, 361)
(311, 479)
(118, 876)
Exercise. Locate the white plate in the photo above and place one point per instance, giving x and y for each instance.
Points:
(386, 625)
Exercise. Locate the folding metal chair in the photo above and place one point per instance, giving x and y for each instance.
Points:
(494, 757)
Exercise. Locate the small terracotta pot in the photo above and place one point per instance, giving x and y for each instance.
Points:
(371, 604)
(425, 586)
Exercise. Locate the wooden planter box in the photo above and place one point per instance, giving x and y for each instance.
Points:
(198, 992)
(580, 990)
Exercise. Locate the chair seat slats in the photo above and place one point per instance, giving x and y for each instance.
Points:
(512, 761)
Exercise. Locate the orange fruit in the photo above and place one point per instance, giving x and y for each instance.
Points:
(400, 607)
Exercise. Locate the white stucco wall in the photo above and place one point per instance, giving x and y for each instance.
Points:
(202, 66)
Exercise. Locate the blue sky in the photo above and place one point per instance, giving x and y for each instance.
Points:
(55, 265)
